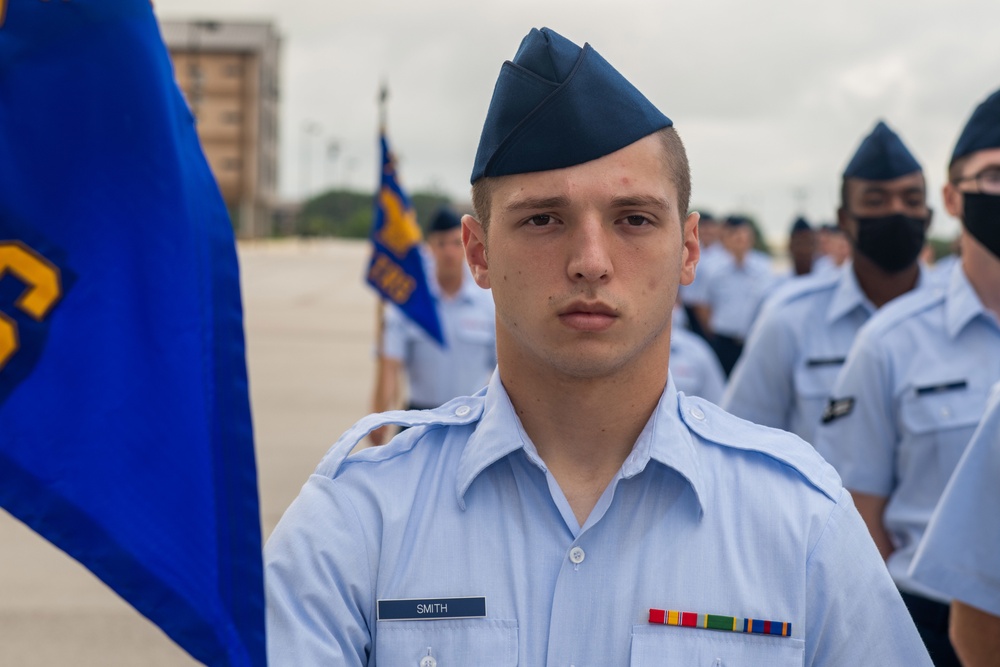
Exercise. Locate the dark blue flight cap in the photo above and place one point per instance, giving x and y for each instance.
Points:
(557, 105)
(983, 129)
(801, 225)
(443, 220)
(882, 156)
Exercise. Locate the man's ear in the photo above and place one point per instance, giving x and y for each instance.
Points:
(474, 240)
(691, 252)
(952, 200)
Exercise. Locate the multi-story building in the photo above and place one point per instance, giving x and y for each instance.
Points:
(228, 71)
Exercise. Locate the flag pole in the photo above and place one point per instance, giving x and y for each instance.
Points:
(383, 96)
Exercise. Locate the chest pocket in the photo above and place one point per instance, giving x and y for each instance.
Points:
(944, 415)
(666, 646)
(814, 377)
(472, 642)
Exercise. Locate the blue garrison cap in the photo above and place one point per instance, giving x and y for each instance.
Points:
(882, 156)
(801, 225)
(983, 129)
(557, 105)
(737, 221)
(443, 220)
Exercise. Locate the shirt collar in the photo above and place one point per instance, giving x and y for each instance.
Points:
(668, 441)
(847, 296)
(961, 304)
(664, 439)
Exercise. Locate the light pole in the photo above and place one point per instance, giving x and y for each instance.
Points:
(310, 129)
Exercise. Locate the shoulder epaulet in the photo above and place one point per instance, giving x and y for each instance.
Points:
(903, 308)
(715, 425)
(457, 412)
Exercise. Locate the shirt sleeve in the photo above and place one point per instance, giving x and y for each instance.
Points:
(854, 613)
(959, 555)
(395, 333)
(760, 389)
(318, 582)
(858, 433)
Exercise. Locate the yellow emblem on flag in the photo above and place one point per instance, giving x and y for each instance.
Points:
(400, 231)
(43, 289)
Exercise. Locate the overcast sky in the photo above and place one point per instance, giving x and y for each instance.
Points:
(771, 97)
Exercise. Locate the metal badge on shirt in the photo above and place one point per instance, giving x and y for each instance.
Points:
(837, 408)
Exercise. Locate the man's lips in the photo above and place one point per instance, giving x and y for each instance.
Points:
(583, 316)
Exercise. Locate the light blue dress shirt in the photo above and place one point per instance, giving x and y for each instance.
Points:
(960, 553)
(908, 399)
(436, 374)
(796, 349)
(736, 292)
(695, 368)
(708, 514)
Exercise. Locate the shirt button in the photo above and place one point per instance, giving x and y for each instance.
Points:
(945, 412)
(576, 555)
(697, 413)
(462, 410)
(428, 661)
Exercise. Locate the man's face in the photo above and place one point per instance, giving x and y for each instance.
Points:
(446, 248)
(802, 247)
(974, 164)
(584, 263)
(738, 240)
(874, 199)
(709, 232)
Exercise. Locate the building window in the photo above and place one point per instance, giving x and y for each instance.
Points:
(232, 117)
(234, 70)
(231, 164)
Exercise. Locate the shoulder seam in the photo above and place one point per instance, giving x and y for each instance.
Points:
(816, 478)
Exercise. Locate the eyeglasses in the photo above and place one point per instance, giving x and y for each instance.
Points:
(987, 181)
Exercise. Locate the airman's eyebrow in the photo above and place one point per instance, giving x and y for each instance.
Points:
(627, 201)
(537, 203)
(639, 201)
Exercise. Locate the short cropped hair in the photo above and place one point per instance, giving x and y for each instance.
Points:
(674, 159)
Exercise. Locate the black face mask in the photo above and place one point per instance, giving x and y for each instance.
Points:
(891, 241)
(981, 215)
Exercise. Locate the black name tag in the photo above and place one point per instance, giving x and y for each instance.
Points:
(428, 609)
(828, 361)
(939, 388)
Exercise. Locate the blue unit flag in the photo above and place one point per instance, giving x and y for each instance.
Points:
(396, 269)
(125, 431)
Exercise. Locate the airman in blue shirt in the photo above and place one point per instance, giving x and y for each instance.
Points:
(435, 374)
(579, 511)
(798, 345)
(735, 286)
(916, 381)
(960, 553)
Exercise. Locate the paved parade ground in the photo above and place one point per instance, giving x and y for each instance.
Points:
(309, 327)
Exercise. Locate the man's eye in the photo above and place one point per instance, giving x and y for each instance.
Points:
(539, 220)
(636, 220)
(990, 175)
